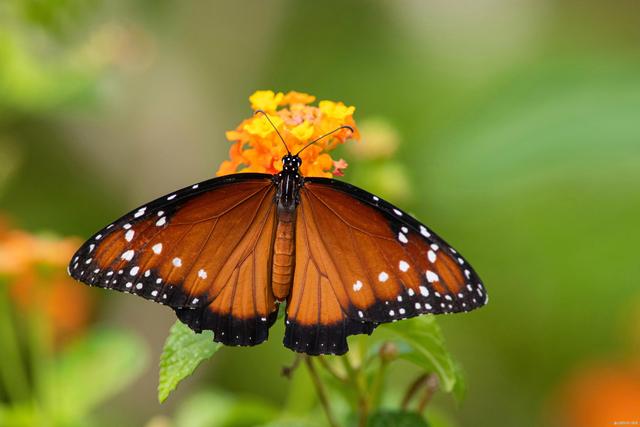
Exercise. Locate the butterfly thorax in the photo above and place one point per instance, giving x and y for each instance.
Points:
(289, 182)
(287, 197)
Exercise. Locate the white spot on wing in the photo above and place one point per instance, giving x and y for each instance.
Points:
(140, 212)
(171, 197)
(402, 237)
(424, 291)
(128, 255)
(397, 212)
(357, 286)
(424, 231)
(403, 265)
(162, 221)
(129, 235)
(157, 248)
(383, 276)
(432, 277)
(202, 274)
(432, 256)
(134, 271)
(177, 262)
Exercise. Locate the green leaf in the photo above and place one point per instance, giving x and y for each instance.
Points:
(183, 351)
(396, 419)
(92, 370)
(421, 343)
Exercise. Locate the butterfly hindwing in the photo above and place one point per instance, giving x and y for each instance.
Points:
(204, 251)
(361, 261)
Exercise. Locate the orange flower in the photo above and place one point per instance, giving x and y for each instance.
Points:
(257, 146)
(35, 269)
(600, 395)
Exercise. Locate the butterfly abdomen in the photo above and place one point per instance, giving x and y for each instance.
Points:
(283, 255)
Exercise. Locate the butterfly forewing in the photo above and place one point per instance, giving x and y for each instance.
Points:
(361, 261)
(203, 250)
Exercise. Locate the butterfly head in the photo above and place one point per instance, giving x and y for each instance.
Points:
(291, 163)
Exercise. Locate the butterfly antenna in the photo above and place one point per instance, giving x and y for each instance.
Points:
(274, 128)
(324, 136)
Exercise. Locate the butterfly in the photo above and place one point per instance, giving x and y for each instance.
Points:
(226, 252)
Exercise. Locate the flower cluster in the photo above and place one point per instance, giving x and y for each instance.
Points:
(257, 147)
(33, 267)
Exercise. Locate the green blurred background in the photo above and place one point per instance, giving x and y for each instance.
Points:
(519, 141)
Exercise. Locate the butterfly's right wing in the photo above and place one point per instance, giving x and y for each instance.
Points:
(361, 261)
(203, 250)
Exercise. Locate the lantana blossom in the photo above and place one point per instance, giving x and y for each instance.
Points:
(33, 268)
(257, 147)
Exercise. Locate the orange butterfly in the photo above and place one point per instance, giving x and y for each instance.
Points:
(225, 252)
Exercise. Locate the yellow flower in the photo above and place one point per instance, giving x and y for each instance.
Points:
(303, 131)
(260, 127)
(265, 100)
(257, 147)
(336, 110)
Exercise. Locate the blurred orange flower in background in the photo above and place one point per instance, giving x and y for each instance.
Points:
(34, 267)
(600, 395)
(257, 147)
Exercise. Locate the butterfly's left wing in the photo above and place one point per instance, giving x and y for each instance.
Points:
(361, 261)
(204, 251)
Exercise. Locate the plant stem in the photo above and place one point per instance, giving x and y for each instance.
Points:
(12, 371)
(358, 380)
(322, 395)
(41, 350)
(287, 371)
(430, 384)
(411, 391)
(376, 388)
(430, 387)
